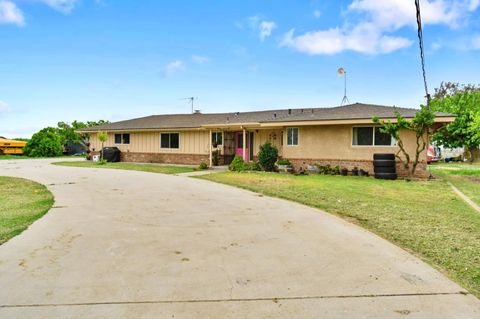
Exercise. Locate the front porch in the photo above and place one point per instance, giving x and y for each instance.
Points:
(242, 141)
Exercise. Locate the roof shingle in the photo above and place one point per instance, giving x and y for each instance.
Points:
(186, 121)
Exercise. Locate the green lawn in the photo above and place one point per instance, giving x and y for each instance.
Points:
(13, 157)
(424, 217)
(466, 177)
(22, 203)
(152, 168)
(21, 157)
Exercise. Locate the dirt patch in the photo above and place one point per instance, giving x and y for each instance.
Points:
(475, 179)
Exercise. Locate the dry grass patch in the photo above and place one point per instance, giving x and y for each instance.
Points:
(151, 168)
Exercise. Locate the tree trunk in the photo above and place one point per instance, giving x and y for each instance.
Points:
(474, 154)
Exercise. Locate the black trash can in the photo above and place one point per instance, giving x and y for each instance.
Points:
(384, 166)
(111, 154)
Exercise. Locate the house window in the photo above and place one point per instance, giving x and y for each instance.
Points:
(217, 138)
(371, 136)
(169, 140)
(122, 138)
(239, 140)
(292, 136)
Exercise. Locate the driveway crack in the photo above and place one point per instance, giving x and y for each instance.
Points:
(233, 299)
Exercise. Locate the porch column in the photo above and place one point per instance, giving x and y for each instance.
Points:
(244, 144)
(210, 143)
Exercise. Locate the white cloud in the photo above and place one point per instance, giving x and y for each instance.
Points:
(10, 13)
(389, 44)
(316, 42)
(317, 14)
(174, 67)
(473, 5)
(395, 14)
(335, 40)
(266, 28)
(375, 24)
(64, 6)
(258, 24)
(200, 59)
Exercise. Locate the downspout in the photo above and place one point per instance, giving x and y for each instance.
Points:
(211, 161)
(244, 143)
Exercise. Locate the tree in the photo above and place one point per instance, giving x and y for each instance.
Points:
(451, 88)
(420, 125)
(464, 102)
(68, 134)
(102, 137)
(267, 156)
(45, 143)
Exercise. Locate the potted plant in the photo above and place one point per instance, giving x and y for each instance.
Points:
(284, 166)
(362, 173)
(344, 171)
(355, 171)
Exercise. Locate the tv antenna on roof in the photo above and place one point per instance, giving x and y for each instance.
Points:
(342, 72)
(191, 99)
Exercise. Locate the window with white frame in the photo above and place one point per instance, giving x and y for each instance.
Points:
(292, 136)
(123, 138)
(371, 136)
(170, 140)
(217, 138)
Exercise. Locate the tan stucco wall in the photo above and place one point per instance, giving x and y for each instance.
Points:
(191, 142)
(263, 136)
(315, 142)
(335, 142)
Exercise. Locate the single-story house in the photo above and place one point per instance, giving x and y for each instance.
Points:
(344, 136)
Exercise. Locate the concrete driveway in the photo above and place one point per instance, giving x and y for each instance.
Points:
(124, 244)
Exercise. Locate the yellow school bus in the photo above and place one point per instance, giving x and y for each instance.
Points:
(11, 147)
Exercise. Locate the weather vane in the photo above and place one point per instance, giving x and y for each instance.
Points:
(342, 72)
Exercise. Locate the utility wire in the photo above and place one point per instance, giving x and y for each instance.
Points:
(422, 54)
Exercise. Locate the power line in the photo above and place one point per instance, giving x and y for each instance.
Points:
(422, 54)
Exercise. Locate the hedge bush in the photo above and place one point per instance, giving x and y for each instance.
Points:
(284, 162)
(45, 143)
(267, 156)
(239, 165)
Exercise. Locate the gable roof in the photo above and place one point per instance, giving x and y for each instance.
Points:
(197, 120)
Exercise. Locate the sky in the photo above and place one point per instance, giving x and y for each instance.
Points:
(66, 60)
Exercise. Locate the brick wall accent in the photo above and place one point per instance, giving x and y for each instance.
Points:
(168, 158)
(297, 163)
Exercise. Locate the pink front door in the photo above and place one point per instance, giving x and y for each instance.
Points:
(239, 145)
